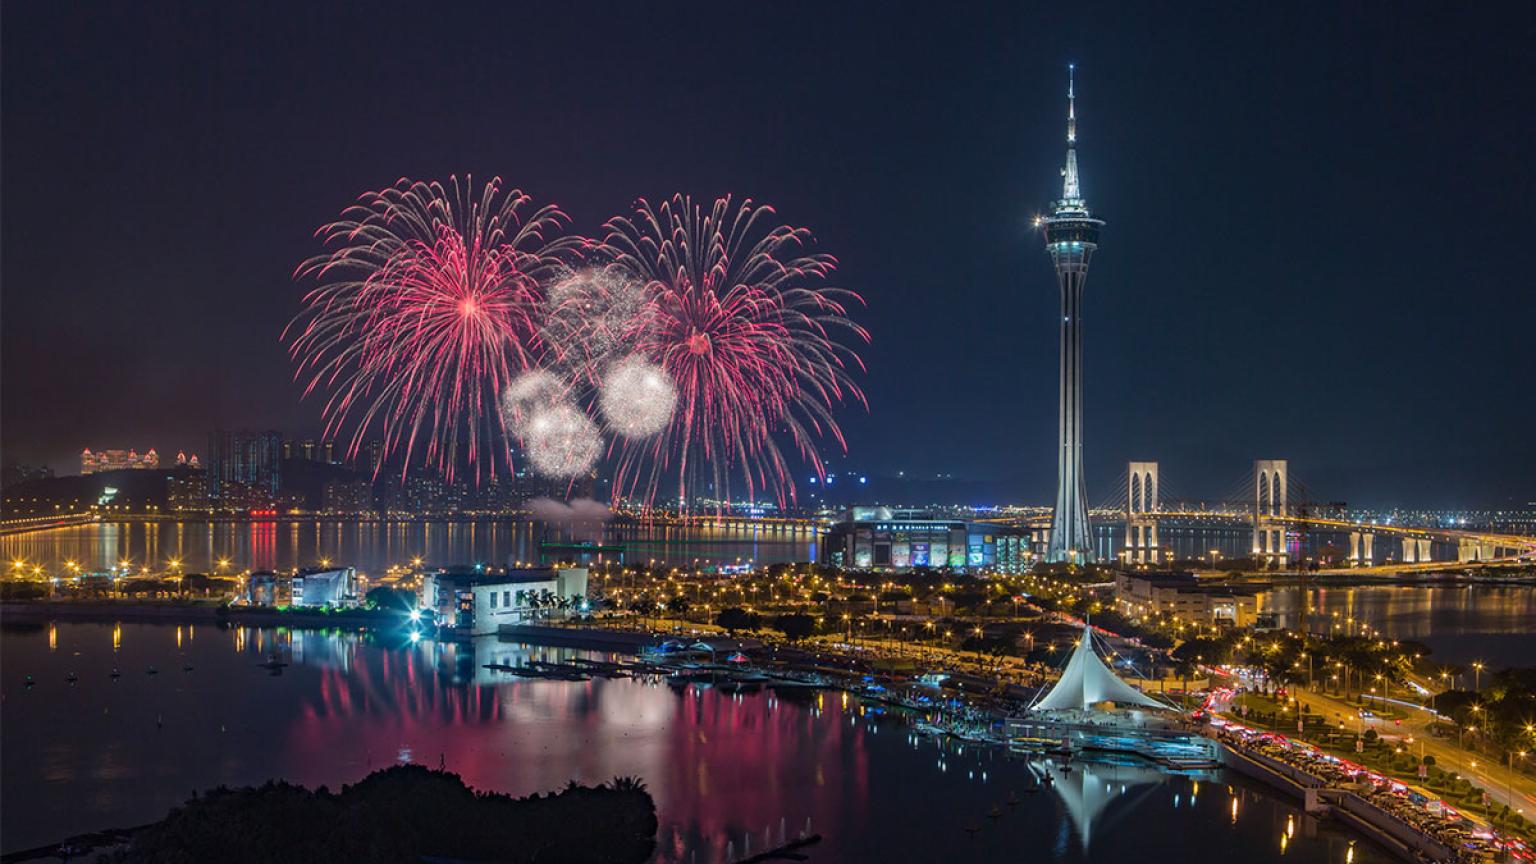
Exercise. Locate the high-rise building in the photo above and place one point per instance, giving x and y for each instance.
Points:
(346, 497)
(251, 459)
(187, 493)
(1071, 235)
(116, 460)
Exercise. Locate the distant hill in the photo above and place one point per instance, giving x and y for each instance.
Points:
(137, 489)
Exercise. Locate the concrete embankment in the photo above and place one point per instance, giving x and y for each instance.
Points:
(601, 640)
(195, 613)
(1382, 827)
(189, 613)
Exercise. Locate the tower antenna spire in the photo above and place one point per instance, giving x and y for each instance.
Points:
(1071, 190)
(1071, 103)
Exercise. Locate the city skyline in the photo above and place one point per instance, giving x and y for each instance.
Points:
(1269, 294)
(690, 424)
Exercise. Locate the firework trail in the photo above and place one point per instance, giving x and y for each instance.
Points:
(425, 311)
(739, 319)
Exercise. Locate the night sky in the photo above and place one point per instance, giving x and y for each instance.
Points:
(1319, 241)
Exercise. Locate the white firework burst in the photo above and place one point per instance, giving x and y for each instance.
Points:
(591, 316)
(528, 394)
(562, 441)
(637, 398)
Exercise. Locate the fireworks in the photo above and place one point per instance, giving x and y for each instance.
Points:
(593, 316)
(425, 311)
(529, 393)
(445, 322)
(741, 324)
(562, 441)
(637, 398)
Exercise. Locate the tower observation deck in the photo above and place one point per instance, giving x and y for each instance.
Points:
(1071, 235)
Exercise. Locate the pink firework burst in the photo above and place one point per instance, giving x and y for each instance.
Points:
(425, 311)
(739, 317)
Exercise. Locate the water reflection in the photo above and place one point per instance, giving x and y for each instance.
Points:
(722, 766)
(372, 546)
(1087, 789)
(1460, 623)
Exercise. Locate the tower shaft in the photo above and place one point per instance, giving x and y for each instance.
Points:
(1071, 236)
(1071, 539)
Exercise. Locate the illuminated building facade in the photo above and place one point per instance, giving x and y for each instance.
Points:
(1071, 236)
(325, 587)
(187, 494)
(1181, 596)
(479, 601)
(117, 460)
(250, 459)
(879, 538)
(347, 497)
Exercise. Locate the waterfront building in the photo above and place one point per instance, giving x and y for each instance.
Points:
(239, 498)
(117, 460)
(332, 587)
(1071, 236)
(346, 497)
(1183, 596)
(261, 588)
(253, 459)
(477, 601)
(187, 493)
(882, 538)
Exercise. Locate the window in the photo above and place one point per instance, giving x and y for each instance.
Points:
(493, 599)
(506, 598)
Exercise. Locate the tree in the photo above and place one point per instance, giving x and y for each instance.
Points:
(795, 626)
(23, 590)
(735, 618)
(384, 597)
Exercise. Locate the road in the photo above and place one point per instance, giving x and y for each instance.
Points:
(1519, 790)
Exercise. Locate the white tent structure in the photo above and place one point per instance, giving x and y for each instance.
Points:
(1086, 682)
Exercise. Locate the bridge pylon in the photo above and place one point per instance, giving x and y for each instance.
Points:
(1271, 504)
(1141, 513)
(1362, 549)
(1416, 550)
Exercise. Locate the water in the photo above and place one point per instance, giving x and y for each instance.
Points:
(1459, 623)
(721, 767)
(373, 546)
